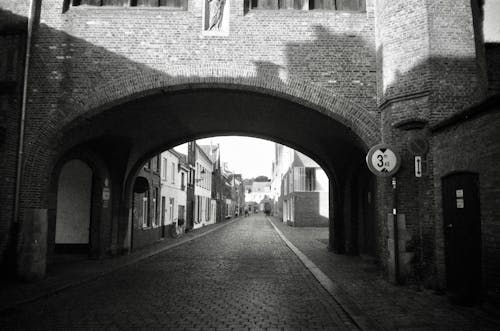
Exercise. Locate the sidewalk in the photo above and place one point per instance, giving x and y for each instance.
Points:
(360, 286)
(73, 273)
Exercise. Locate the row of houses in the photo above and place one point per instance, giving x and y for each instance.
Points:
(183, 192)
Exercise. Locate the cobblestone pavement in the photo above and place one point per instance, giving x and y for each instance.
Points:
(390, 307)
(239, 277)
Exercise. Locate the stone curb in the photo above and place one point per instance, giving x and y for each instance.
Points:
(97, 274)
(362, 321)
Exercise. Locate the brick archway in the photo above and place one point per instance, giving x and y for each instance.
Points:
(83, 105)
(137, 85)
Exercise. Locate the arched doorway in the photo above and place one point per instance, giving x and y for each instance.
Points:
(74, 204)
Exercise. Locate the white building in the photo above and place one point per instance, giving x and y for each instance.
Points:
(204, 207)
(258, 192)
(304, 189)
(173, 177)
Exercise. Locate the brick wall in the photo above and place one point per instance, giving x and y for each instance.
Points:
(307, 209)
(12, 46)
(493, 62)
(86, 57)
(473, 145)
(91, 56)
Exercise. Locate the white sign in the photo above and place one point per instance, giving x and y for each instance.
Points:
(418, 166)
(382, 160)
(459, 193)
(460, 203)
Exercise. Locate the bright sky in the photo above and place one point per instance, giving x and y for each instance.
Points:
(492, 20)
(251, 157)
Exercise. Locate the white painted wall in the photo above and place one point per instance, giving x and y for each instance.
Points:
(202, 188)
(171, 186)
(74, 203)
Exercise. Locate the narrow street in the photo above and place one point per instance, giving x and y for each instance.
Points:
(240, 277)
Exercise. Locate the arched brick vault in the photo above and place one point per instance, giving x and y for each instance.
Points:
(141, 84)
(79, 108)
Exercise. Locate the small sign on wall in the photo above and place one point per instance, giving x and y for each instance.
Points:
(418, 166)
(460, 203)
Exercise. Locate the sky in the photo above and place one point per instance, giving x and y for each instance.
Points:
(492, 20)
(248, 156)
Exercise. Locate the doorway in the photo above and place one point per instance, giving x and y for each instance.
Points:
(462, 234)
(72, 232)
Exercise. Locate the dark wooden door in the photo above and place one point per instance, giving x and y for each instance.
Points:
(462, 232)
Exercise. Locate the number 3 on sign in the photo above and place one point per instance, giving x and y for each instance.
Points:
(382, 160)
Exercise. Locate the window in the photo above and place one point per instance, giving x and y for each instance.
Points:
(145, 210)
(167, 4)
(351, 5)
(172, 170)
(183, 186)
(299, 178)
(164, 169)
(280, 4)
(322, 4)
(101, 2)
(310, 179)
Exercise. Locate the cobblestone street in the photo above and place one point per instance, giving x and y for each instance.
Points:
(240, 277)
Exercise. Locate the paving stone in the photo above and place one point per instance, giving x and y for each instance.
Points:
(391, 307)
(240, 277)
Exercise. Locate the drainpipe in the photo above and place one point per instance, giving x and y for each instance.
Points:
(20, 152)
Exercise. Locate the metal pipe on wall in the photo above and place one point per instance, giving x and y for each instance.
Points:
(20, 152)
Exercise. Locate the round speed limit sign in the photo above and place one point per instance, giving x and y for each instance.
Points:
(382, 160)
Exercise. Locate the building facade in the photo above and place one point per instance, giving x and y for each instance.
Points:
(103, 87)
(304, 188)
(174, 176)
(204, 205)
(146, 211)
